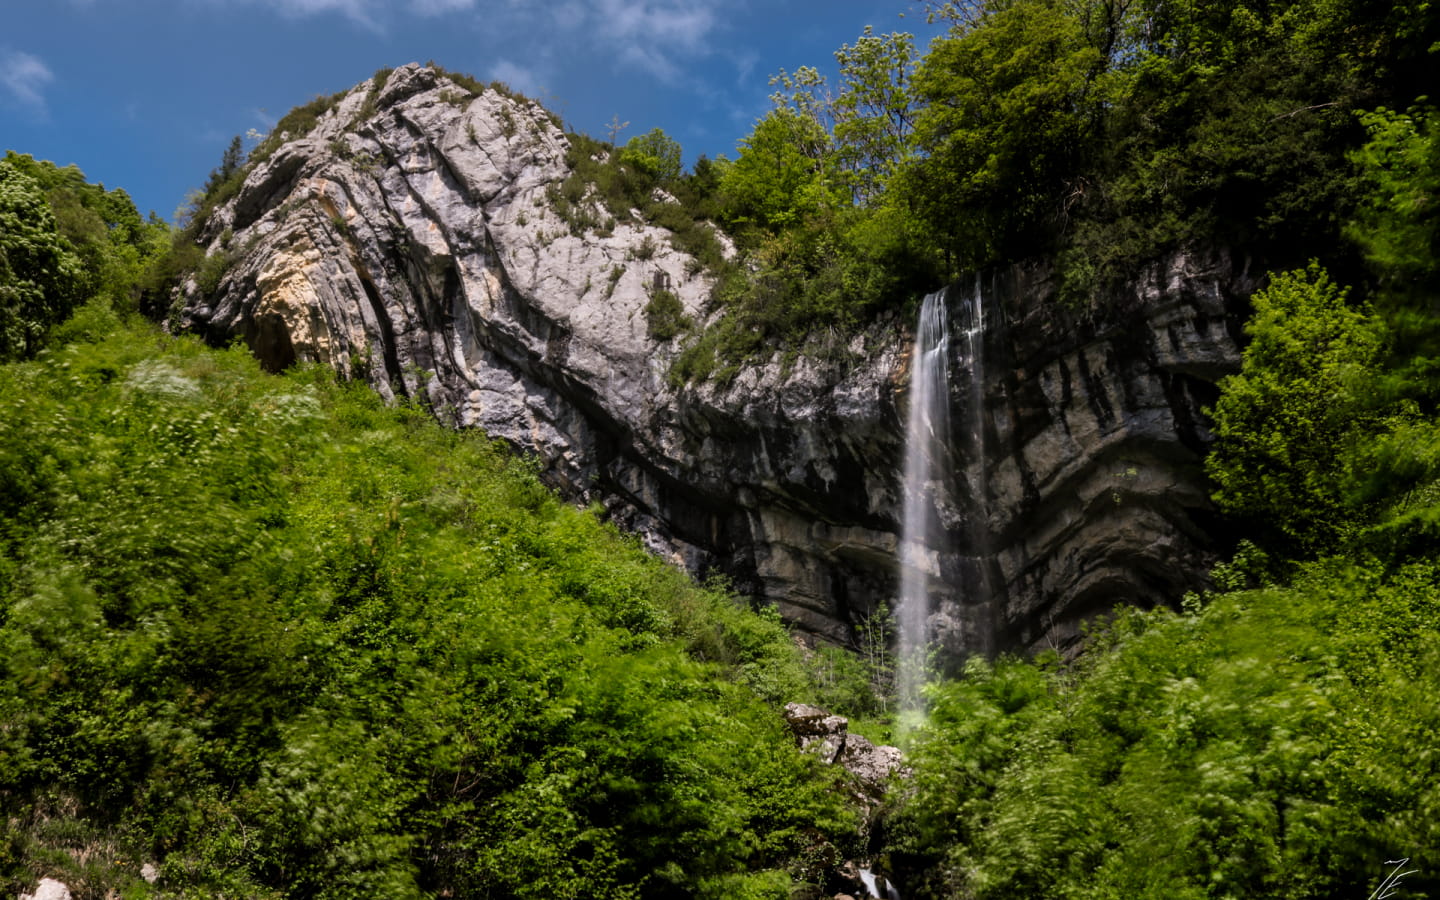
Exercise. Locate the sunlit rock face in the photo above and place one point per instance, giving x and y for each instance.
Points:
(408, 240)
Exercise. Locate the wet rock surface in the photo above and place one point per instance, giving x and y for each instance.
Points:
(408, 240)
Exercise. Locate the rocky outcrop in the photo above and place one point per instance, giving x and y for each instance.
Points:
(410, 239)
(870, 769)
(828, 737)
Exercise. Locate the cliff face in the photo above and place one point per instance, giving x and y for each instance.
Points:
(1094, 493)
(408, 240)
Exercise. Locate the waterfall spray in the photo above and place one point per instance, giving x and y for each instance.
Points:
(927, 431)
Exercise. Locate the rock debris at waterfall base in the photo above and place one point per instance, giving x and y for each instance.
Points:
(828, 737)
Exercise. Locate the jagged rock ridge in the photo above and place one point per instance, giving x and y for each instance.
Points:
(408, 240)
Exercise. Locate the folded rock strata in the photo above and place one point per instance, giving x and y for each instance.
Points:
(408, 240)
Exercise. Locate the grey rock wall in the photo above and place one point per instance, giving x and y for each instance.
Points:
(414, 247)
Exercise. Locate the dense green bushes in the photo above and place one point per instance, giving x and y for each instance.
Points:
(284, 641)
(1274, 744)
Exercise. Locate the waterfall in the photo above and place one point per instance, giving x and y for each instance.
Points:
(878, 887)
(927, 430)
(929, 485)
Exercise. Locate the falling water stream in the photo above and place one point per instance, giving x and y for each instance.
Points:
(928, 482)
(878, 887)
(927, 432)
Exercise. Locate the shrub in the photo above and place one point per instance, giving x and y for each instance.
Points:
(665, 316)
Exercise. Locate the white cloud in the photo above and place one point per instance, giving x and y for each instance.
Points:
(368, 14)
(25, 77)
(568, 13)
(682, 23)
(652, 34)
(655, 36)
(745, 62)
(518, 77)
(439, 7)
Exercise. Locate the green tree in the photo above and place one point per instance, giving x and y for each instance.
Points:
(1009, 116)
(230, 164)
(114, 245)
(874, 112)
(1286, 423)
(656, 154)
(40, 278)
(780, 178)
(1397, 226)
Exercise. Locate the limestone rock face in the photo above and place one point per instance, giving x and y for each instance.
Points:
(49, 889)
(1090, 492)
(408, 240)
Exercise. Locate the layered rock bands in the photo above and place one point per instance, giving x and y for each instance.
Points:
(408, 239)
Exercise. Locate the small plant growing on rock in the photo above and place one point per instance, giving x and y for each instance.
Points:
(372, 96)
(665, 316)
(616, 273)
(214, 270)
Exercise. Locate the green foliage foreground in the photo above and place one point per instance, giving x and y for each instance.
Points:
(1279, 743)
(281, 640)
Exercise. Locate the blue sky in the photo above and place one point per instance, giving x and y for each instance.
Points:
(145, 94)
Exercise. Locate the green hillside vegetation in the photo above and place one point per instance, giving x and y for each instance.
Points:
(277, 639)
(1276, 743)
(282, 640)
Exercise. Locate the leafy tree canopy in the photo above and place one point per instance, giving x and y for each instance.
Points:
(1283, 425)
(656, 153)
(40, 277)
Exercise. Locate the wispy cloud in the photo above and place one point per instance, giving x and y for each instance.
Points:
(653, 34)
(439, 7)
(744, 62)
(369, 14)
(25, 77)
(518, 77)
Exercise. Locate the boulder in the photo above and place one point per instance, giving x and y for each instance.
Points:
(48, 889)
